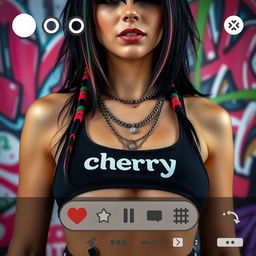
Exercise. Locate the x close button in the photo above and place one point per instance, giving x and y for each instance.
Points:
(233, 25)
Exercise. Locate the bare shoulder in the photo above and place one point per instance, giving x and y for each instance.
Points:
(44, 112)
(206, 111)
(211, 121)
(53, 102)
(46, 109)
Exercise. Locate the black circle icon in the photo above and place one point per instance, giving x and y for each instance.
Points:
(75, 26)
(51, 25)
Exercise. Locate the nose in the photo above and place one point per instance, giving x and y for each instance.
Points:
(130, 13)
(130, 16)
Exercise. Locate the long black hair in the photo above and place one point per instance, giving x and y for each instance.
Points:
(85, 64)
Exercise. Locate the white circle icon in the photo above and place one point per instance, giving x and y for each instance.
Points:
(24, 25)
(55, 29)
(74, 31)
(233, 25)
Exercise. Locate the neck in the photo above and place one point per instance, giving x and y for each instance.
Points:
(129, 78)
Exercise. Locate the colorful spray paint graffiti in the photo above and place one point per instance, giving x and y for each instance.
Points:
(227, 72)
(226, 69)
(25, 74)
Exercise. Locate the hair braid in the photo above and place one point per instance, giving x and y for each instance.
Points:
(78, 119)
(177, 107)
(175, 98)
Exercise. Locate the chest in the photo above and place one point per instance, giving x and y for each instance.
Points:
(165, 134)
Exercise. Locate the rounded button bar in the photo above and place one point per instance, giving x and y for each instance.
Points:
(141, 215)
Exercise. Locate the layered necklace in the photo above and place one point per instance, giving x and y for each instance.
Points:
(131, 144)
(133, 103)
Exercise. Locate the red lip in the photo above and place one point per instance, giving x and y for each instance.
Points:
(131, 30)
(131, 39)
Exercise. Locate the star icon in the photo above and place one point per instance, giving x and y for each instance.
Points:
(103, 215)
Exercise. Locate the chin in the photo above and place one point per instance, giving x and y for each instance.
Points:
(132, 55)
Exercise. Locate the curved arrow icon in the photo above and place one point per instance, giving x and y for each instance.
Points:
(236, 220)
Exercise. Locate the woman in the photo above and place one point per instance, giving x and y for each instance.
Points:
(135, 101)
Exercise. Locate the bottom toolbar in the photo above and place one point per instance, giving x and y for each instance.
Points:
(129, 215)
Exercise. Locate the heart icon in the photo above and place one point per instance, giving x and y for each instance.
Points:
(77, 215)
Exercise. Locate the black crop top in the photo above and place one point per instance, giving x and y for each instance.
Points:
(177, 168)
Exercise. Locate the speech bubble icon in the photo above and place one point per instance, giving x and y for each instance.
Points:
(154, 215)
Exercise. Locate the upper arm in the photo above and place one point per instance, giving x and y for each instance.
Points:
(36, 168)
(220, 162)
(35, 161)
(220, 167)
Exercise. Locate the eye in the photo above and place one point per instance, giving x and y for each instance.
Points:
(149, 1)
(117, 1)
(107, 1)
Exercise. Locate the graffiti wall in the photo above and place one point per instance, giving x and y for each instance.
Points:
(226, 68)
(25, 75)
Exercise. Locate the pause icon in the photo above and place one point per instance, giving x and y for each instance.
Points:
(131, 215)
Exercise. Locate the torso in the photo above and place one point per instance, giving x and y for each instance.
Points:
(99, 133)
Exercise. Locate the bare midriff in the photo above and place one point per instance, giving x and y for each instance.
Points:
(76, 240)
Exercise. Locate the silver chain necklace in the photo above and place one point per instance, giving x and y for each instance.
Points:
(133, 103)
(129, 143)
(133, 127)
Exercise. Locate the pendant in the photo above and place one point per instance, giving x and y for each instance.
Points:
(133, 129)
(132, 146)
(134, 105)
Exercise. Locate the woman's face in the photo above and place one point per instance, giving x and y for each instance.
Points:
(113, 16)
